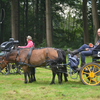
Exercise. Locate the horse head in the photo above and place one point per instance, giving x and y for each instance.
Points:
(7, 58)
(3, 62)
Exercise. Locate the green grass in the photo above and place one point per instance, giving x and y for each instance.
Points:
(12, 87)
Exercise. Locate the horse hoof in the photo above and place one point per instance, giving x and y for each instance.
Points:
(25, 82)
(66, 80)
(52, 83)
(60, 83)
(30, 81)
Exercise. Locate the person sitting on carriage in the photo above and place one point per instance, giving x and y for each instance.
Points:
(29, 43)
(86, 50)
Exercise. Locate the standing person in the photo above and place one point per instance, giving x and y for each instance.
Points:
(86, 50)
(29, 43)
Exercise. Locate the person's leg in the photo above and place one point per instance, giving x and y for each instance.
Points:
(83, 47)
(83, 54)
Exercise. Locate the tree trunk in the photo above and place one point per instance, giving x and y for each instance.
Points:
(18, 20)
(95, 19)
(48, 24)
(14, 18)
(37, 19)
(85, 23)
(26, 16)
(33, 3)
(24, 34)
(2, 13)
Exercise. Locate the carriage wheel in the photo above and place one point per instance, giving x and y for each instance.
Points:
(15, 69)
(12, 69)
(6, 70)
(90, 74)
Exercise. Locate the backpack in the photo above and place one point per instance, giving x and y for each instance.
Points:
(74, 61)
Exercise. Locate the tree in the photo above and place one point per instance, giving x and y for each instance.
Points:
(85, 22)
(48, 24)
(95, 19)
(2, 24)
(14, 19)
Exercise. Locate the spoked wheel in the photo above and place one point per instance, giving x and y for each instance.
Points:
(12, 68)
(15, 69)
(90, 74)
(6, 70)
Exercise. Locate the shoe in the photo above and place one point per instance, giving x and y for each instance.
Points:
(73, 52)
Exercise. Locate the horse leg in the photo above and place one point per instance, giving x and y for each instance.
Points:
(59, 77)
(26, 72)
(25, 76)
(65, 75)
(64, 68)
(29, 74)
(52, 82)
(34, 79)
(32, 71)
(60, 69)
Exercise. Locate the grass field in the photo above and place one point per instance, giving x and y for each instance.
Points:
(12, 87)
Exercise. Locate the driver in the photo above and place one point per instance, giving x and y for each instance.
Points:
(85, 50)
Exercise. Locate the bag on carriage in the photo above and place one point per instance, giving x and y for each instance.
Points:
(74, 61)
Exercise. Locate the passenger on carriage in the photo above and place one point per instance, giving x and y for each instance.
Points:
(29, 43)
(86, 50)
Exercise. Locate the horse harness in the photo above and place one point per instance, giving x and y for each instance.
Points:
(28, 56)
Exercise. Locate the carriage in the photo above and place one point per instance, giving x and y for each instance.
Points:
(6, 47)
(89, 73)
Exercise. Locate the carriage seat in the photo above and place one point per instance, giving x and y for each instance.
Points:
(9, 45)
(97, 55)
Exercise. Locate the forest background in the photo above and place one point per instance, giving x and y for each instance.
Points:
(54, 23)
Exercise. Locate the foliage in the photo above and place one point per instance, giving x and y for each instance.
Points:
(66, 30)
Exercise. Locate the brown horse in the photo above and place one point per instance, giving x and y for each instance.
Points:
(39, 57)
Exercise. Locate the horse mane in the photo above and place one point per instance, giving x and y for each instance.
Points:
(57, 60)
(10, 52)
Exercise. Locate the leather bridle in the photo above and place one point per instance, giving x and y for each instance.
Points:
(2, 63)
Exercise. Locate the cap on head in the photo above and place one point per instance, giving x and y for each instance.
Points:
(29, 37)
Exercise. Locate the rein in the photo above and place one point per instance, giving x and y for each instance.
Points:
(28, 56)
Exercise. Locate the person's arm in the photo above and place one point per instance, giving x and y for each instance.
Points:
(29, 45)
